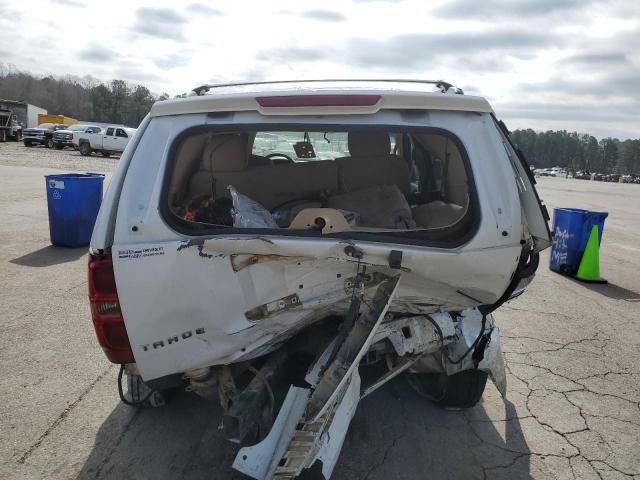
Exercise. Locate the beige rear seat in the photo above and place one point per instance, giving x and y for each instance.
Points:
(225, 162)
(371, 164)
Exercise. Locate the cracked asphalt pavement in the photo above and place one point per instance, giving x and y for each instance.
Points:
(572, 352)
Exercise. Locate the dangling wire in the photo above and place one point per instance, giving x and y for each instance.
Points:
(475, 342)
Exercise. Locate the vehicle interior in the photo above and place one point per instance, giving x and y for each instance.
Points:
(330, 181)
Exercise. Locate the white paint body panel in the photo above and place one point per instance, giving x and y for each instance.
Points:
(184, 289)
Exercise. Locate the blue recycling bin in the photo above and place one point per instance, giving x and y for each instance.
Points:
(73, 200)
(571, 230)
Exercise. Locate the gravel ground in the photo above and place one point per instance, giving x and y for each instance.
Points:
(18, 155)
(572, 409)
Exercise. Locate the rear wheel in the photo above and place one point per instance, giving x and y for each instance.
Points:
(85, 149)
(49, 143)
(106, 154)
(27, 143)
(461, 390)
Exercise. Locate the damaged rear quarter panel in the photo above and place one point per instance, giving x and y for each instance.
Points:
(196, 287)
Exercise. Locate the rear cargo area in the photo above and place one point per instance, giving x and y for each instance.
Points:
(362, 180)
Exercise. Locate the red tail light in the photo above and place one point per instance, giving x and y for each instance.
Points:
(105, 310)
(318, 100)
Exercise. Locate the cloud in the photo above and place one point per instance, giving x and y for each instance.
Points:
(8, 15)
(160, 23)
(488, 9)
(488, 51)
(604, 103)
(568, 112)
(173, 60)
(293, 54)
(133, 74)
(324, 15)
(204, 9)
(70, 3)
(412, 51)
(590, 58)
(96, 53)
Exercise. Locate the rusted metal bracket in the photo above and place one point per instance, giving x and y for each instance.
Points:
(262, 311)
(241, 261)
(369, 280)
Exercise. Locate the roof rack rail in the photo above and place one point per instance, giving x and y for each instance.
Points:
(441, 84)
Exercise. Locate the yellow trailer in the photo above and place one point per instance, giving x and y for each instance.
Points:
(57, 119)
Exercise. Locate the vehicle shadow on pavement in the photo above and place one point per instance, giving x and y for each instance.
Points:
(611, 290)
(49, 256)
(394, 434)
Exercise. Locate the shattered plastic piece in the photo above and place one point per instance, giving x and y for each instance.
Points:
(248, 213)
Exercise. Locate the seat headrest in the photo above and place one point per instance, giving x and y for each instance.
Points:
(225, 153)
(369, 144)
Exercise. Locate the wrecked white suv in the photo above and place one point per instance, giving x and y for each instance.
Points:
(262, 244)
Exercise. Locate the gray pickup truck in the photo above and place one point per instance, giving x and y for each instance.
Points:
(41, 135)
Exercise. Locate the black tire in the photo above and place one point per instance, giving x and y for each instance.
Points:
(49, 143)
(27, 143)
(461, 390)
(3, 136)
(59, 147)
(106, 154)
(85, 149)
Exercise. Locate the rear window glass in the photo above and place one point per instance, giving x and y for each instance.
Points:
(320, 181)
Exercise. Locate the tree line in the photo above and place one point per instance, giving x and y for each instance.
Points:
(86, 98)
(578, 151)
(118, 101)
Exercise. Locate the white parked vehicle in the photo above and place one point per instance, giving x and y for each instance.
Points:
(267, 279)
(109, 140)
(65, 138)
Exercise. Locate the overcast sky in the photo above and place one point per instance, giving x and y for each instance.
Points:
(560, 64)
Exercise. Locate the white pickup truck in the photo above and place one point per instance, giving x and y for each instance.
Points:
(111, 139)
